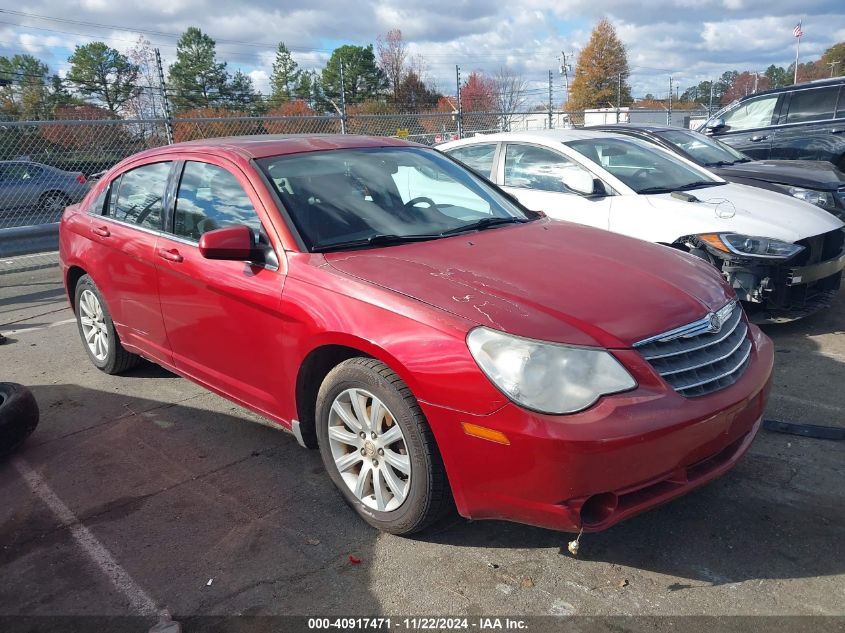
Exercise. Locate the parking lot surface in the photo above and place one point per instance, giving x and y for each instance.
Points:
(144, 490)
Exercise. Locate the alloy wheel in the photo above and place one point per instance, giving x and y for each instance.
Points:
(93, 322)
(369, 450)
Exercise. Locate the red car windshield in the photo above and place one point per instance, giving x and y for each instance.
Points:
(379, 196)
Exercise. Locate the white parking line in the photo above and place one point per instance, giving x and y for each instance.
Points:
(38, 328)
(141, 602)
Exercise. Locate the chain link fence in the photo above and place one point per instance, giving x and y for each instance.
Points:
(47, 165)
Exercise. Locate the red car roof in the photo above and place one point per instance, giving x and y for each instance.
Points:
(263, 145)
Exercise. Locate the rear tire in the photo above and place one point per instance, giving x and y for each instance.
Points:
(378, 448)
(52, 204)
(18, 416)
(99, 337)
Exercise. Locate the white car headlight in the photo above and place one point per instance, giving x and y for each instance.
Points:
(823, 199)
(547, 377)
(751, 246)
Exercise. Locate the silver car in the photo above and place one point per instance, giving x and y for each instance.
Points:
(33, 193)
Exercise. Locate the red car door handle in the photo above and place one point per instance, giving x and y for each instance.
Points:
(102, 231)
(756, 139)
(171, 255)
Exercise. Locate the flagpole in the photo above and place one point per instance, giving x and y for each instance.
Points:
(797, 48)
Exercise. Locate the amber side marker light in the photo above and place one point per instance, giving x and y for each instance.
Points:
(484, 433)
(715, 241)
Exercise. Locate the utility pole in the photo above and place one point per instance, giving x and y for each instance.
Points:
(669, 111)
(460, 120)
(832, 67)
(168, 116)
(550, 99)
(564, 70)
(618, 95)
(342, 101)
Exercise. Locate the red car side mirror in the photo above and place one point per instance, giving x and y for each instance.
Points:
(230, 243)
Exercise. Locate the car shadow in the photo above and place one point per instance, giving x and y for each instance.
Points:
(209, 512)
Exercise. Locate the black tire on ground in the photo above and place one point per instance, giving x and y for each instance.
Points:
(429, 498)
(18, 416)
(117, 359)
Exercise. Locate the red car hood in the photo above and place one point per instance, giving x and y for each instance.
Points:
(549, 280)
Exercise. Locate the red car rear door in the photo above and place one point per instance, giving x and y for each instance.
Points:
(222, 317)
(126, 220)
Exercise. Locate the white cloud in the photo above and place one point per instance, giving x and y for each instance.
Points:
(691, 39)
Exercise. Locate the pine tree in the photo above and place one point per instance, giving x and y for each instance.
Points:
(99, 71)
(285, 76)
(602, 64)
(196, 78)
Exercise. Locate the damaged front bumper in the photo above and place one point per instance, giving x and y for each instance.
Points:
(780, 291)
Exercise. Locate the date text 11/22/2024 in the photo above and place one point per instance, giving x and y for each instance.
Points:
(418, 624)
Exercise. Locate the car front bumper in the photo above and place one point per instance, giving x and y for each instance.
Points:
(590, 470)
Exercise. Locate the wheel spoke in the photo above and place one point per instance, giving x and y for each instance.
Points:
(90, 333)
(396, 485)
(339, 434)
(85, 305)
(376, 415)
(363, 476)
(86, 321)
(392, 435)
(347, 461)
(399, 462)
(355, 397)
(348, 420)
(378, 490)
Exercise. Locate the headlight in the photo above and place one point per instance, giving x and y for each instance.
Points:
(547, 377)
(751, 246)
(823, 199)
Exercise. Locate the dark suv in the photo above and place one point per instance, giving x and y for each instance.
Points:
(801, 122)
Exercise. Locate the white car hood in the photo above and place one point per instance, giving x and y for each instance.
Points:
(735, 208)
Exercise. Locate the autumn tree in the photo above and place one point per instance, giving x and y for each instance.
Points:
(101, 72)
(392, 57)
(601, 74)
(835, 55)
(362, 78)
(196, 77)
(478, 93)
(285, 76)
(746, 83)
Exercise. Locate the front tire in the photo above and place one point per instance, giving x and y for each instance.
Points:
(378, 448)
(97, 331)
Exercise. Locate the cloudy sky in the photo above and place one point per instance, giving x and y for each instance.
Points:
(691, 40)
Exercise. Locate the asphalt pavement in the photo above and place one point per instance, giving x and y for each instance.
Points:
(144, 491)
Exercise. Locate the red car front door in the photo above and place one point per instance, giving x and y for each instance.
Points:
(222, 317)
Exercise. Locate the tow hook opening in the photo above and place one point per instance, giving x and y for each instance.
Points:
(598, 508)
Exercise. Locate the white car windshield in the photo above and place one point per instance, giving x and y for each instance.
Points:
(642, 167)
(355, 198)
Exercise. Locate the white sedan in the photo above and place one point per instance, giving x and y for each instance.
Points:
(783, 256)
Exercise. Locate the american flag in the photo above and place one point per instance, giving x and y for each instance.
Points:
(797, 32)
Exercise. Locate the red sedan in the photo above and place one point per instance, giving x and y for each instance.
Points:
(439, 343)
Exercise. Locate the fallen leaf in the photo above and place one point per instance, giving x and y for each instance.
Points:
(353, 560)
(527, 582)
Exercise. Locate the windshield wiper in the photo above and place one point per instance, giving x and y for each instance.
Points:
(727, 163)
(484, 223)
(380, 239)
(648, 190)
(698, 184)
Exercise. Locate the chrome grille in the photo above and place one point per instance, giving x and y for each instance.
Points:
(698, 359)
